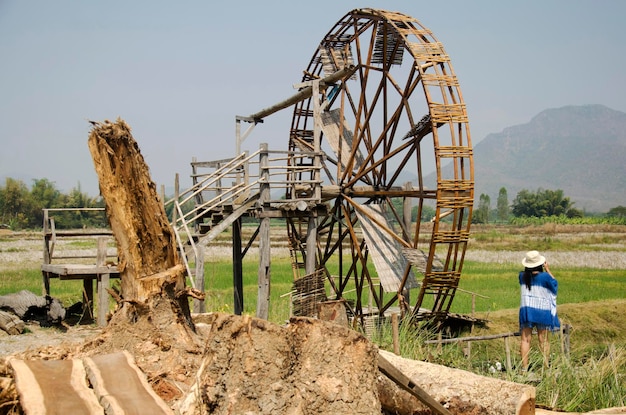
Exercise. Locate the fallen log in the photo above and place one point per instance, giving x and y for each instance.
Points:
(28, 306)
(10, 323)
(21, 302)
(407, 384)
(457, 390)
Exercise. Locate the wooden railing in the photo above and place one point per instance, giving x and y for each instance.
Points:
(234, 187)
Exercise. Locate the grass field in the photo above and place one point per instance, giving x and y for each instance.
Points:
(589, 262)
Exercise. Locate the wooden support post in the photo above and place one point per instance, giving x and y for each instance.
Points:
(198, 304)
(237, 268)
(311, 246)
(46, 283)
(176, 197)
(407, 208)
(565, 341)
(263, 300)
(46, 252)
(395, 333)
(507, 349)
(103, 284)
(263, 296)
(88, 298)
(469, 344)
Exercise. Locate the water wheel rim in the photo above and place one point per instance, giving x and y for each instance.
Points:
(402, 103)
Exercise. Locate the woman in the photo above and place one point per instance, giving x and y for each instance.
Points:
(538, 304)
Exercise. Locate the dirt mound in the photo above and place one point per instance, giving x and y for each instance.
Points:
(309, 366)
(241, 364)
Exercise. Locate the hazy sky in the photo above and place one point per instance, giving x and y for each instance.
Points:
(178, 72)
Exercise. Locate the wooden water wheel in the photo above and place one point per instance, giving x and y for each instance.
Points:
(382, 129)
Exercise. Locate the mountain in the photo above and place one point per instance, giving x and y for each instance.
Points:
(578, 149)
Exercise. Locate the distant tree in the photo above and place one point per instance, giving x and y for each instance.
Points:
(428, 213)
(543, 203)
(482, 213)
(76, 219)
(503, 205)
(617, 212)
(15, 204)
(43, 194)
(21, 208)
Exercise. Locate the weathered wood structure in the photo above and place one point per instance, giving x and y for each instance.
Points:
(99, 268)
(377, 109)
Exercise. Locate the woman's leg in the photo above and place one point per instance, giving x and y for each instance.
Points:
(525, 346)
(544, 345)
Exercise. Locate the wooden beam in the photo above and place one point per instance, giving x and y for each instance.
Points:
(303, 94)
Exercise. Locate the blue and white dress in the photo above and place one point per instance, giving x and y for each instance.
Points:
(538, 305)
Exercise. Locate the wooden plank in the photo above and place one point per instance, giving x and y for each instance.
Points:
(121, 387)
(78, 271)
(79, 232)
(54, 387)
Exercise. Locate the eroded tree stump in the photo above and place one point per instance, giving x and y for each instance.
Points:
(149, 264)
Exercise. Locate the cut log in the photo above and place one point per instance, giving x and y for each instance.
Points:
(10, 323)
(20, 302)
(28, 306)
(400, 379)
(51, 387)
(121, 388)
(459, 391)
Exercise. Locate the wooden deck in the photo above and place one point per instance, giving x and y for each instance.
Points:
(79, 271)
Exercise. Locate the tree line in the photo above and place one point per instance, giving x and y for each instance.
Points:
(542, 203)
(22, 207)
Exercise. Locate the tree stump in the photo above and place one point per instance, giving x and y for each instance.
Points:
(149, 264)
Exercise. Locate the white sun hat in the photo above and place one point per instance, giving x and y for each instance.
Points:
(533, 259)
